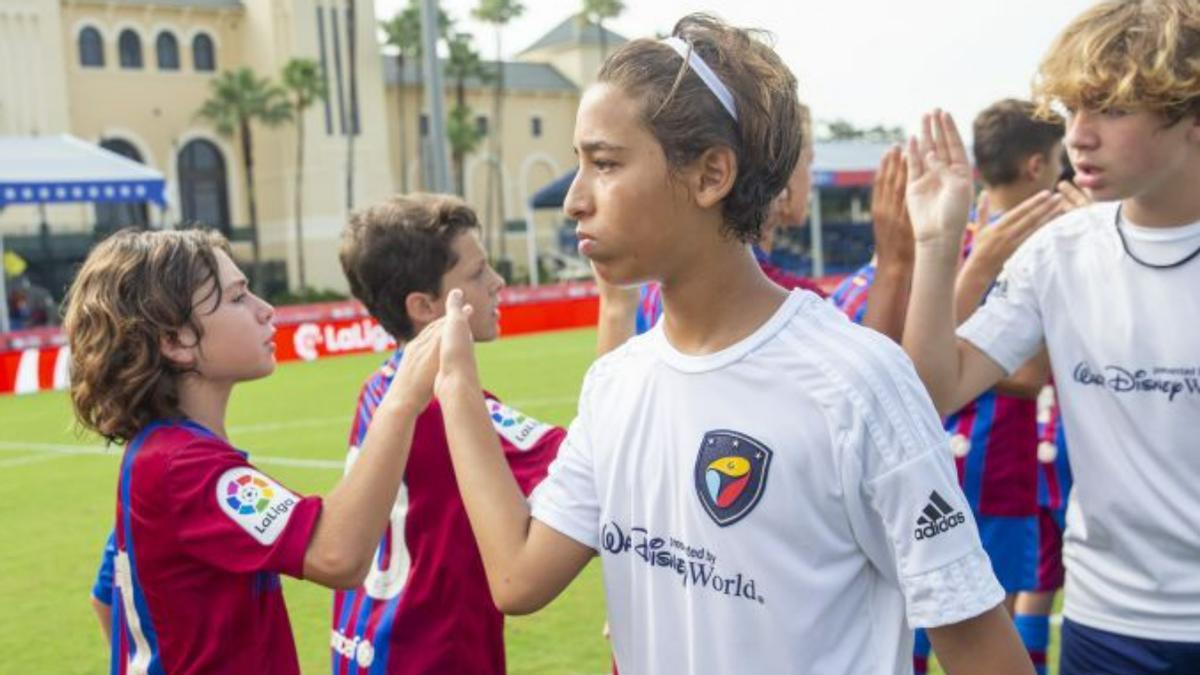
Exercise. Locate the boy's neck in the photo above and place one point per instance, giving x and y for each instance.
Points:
(717, 299)
(1003, 198)
(1173, 203)
(205, 402)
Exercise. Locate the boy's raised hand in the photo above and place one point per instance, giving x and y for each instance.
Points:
(939, 182)
(889, 212)
(413, 384)
(996, 242)
(457, 343)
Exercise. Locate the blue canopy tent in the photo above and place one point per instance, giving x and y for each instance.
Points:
(553, 194)
(550, 196)
(64, 169)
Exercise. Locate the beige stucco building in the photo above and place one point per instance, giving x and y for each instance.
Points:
(131, 74)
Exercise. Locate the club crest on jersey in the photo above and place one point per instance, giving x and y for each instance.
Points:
(731, 475)
(254, 501)
(521, 430)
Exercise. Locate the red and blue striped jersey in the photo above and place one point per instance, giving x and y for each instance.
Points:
(850, 296)
(993, 438)
(425, 606)
(201, 537)
(1054, 476)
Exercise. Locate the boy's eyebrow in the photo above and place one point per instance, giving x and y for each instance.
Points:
(235, 284)
(597, 146)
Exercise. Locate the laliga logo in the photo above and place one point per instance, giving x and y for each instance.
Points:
(359, 336)
(358, 649)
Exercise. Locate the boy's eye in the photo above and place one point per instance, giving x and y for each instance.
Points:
(239, 297)
(603, 164)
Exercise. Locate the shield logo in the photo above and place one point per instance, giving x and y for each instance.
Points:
(731, 475)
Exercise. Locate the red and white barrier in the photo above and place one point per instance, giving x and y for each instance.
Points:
(38, 360)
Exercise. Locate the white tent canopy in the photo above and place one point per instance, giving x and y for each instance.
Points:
(60, 169)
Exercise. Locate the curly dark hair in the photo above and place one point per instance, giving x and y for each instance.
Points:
(135, 289)
(688, 119)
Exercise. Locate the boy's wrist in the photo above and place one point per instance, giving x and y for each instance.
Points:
(938, 250)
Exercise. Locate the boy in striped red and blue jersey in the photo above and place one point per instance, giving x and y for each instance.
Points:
(425, 606)
(161, 326)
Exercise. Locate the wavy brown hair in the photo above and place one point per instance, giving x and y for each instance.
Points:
(399, 246)
(687, 119)
(1129, 55)
(136, 289)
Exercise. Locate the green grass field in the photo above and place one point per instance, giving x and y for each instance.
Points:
(58, 491)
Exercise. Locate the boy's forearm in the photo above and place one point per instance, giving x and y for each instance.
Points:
(984, 645)
(496, 507)
(929, 329)
(104, 615)
(355, 514)
(970, 288)
(887, 299)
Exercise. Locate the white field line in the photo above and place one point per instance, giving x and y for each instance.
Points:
(345, 420)
(52, 450)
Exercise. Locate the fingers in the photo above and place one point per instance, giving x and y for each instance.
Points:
(456, 307)
(1074, 197)
(913, 160)
(1029, 216)
(955, 149)
(899, 175)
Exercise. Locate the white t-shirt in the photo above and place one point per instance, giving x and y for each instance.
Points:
(1125, 345)
(778, 506)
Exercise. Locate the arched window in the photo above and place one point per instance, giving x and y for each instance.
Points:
(167, 49)
(129, 46)
(202, 188)
(91, 48)
(204, 56)
(112, 216)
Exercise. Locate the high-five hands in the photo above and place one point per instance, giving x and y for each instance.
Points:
(889, 212)
(939, 182)
(457, 362)
(995, 242)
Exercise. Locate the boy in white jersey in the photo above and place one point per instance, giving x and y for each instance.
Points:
(747, 521)
(1113, 290)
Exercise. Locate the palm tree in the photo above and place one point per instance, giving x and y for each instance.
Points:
(237, 99)
(351, 51)
(463, 64)
(596, 11)
(403, 32)
(303, 80)
(498, 13)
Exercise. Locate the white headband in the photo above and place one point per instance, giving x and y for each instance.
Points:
(710, 79)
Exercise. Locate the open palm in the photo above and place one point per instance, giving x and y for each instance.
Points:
(939, 188)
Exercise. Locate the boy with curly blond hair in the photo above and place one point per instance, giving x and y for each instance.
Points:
(1113, 291)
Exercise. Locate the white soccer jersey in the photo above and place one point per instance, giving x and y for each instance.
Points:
(1124, 340)
(778, 506)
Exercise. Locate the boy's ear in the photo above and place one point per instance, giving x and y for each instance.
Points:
(180, 347)
(422, 308)
(1194, 131)
(1035, 164)
(716, 172)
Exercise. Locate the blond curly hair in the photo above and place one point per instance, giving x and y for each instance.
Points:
(1126, 55)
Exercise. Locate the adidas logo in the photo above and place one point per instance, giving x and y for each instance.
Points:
(937, 517)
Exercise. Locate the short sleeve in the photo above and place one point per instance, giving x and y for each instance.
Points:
(102, 588)
(902, 495)
(1008, 327)
(234, 517)
(567, 500)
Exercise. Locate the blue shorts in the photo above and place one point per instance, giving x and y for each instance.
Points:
(1012, 544)
(1090, 651)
